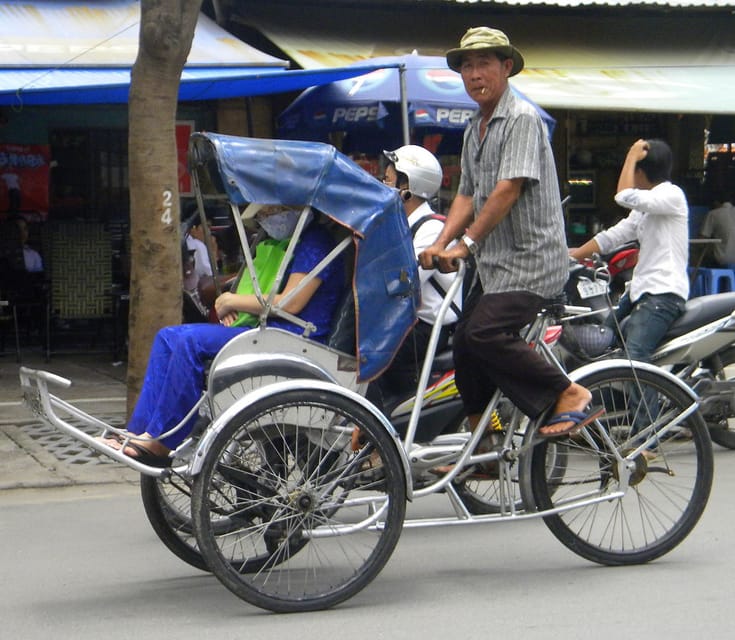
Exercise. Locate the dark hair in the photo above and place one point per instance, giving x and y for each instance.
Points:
(658, 161)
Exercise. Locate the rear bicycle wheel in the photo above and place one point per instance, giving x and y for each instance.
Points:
(326, 517)
(167, 504)
(668, 481)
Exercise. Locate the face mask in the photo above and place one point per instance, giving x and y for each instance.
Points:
(280, 226)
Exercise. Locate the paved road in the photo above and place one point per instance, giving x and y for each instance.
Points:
(82, 562)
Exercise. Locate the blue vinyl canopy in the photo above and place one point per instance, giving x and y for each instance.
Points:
(385, 282)
(111, 85)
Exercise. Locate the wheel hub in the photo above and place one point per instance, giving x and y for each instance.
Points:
(303, 501)
(637, 467)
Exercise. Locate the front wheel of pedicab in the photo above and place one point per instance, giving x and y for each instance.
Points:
(325, 517)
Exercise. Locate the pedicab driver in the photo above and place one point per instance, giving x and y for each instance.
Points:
(507, 213)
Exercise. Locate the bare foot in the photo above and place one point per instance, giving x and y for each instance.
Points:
(574, 398)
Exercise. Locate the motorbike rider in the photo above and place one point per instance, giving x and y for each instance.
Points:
(659, 287)
(417, 175)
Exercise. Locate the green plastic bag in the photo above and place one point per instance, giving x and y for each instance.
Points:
(268, 256)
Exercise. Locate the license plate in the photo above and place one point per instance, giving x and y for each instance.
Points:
(591, 288)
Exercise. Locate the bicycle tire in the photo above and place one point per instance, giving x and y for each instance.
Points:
(722, 431)
(168, 508)
(285, 465)
(666, 494)
(167, 504)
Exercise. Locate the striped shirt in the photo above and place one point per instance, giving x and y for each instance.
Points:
(527, 251)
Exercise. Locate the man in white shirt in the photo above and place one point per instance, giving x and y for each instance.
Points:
(658, 221)
(12, 184)
(195, 243)
(720, 223)
(417, 175)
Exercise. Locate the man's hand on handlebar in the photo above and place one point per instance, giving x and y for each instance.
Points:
(446, 260)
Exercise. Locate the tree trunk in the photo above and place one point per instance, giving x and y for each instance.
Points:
(166, 33)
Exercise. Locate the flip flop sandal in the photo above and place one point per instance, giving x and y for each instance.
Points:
(146, 456)
(578, 420)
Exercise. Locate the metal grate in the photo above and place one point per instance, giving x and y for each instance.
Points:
(68, 449)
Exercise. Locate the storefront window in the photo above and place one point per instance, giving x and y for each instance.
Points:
(89, 176)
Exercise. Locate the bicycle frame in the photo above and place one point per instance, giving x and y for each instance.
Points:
(458, 449)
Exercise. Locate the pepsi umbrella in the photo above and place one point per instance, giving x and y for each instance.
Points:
(374, 109)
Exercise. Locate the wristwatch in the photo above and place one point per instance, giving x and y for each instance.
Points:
(470, 244)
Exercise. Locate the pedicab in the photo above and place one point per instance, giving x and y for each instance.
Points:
(292, 486)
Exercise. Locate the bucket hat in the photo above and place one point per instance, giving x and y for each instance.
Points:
(484, 39)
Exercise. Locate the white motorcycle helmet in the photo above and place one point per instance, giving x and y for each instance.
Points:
(420, 166)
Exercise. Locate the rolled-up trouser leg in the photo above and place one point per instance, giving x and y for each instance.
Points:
(489, 353)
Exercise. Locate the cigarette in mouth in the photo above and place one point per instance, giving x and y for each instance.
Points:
(483, 91)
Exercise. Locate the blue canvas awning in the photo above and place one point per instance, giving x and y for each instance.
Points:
(111, 85)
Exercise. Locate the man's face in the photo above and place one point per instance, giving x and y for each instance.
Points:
(485, 76)
(197, 232)
(22, 230)
(390, 179)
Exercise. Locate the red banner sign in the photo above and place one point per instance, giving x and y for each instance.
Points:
(184, 129)
(24, 178)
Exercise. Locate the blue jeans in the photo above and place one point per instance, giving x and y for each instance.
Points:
(648, 321)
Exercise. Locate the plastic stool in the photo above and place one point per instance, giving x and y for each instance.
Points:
(696, 286)
(717, 280)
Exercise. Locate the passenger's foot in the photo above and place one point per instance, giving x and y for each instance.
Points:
(357, 440)
(143, 448)
(569, 414)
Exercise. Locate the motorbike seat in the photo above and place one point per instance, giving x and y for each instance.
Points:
(700, 311)
(443, 361)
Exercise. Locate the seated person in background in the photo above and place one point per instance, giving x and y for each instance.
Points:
(195, 244)
(720, 223)
(417, 175)
(197, 272)
(31, 257)
(175, 376)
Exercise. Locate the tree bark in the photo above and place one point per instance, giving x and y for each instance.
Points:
(166, 33)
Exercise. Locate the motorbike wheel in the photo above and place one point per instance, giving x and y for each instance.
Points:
(722, 431)
(326, 517)
(666, 486)
(492, 495)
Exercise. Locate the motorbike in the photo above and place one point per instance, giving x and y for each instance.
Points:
(620, 264)
(699, 348)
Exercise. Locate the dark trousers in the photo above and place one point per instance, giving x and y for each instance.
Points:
(489, 353)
